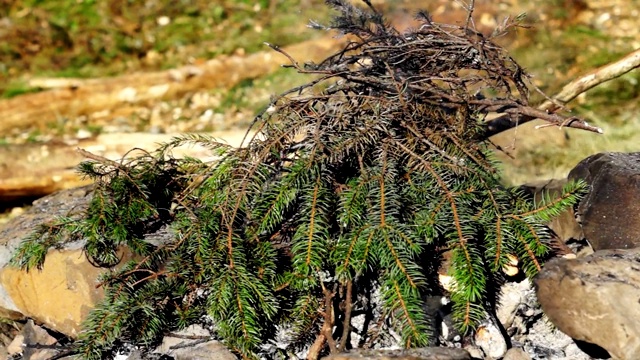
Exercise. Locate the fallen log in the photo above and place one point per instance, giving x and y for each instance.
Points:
(34, 170)
(83, 97)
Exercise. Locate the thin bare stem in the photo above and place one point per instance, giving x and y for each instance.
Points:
(346, 324)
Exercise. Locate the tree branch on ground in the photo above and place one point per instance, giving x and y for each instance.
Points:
(569, 92)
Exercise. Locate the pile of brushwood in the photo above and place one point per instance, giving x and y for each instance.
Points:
(342, 202)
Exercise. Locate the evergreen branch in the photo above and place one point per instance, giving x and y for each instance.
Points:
(367, 248)
(462, 241)
(32, 250)
(405, 304)
(394, 254)
(407, 315)
(243, 326)
(571, 193)
(382, 191)
(473, 156)
(306, 313)
(312, 219)
(498, 243)
(344, 258)
(530, 230)
(526, 246)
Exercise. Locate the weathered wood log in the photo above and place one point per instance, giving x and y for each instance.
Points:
(34, 170)
(82, 97)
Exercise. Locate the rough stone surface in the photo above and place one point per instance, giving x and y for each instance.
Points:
(595, 299)
(182, 338)
(565, 225)
(210, 350)
(192, 343)
(65, 275)
(61, 294)
(512, 296)
(544, 341)
(516, 354)
(430, 353)
(614, 179)
(35, 335)
(31, 335)
(489, 338)
(15, 347)
(35, 293)
(474, 351)
(520, 313)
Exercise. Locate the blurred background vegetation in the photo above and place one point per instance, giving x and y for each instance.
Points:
(101, 38)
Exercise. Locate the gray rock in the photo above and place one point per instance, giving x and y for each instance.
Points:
(595, 299)
(210, 350)
(513, 296)
(489, 338)
(63, 203)
(615, 195)
(429, 353)
(32, 337)
(545, 341)
(194, 342)
(516, 354)
(474, 351)
(521, 315)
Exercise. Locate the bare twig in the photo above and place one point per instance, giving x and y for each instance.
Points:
(346, 324)
(316, 347)
(98, 158)
(568, 93)
(189, 337)
(596, 77)
(187, 344)
(64, 354)
(325, 335)
(327, 327)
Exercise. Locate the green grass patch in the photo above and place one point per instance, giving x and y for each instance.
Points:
(16, 88)
(70, 38)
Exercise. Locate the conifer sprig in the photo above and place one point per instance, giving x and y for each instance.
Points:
(343, 192)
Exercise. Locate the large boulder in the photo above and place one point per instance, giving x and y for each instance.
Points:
(595, 299)
(61, 294)
(610, 212)
(39, 293)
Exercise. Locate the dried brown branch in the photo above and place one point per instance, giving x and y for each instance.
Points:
(569, 92)
(325, 335)
(99, 158)
(316, 347)
(594, 78)
(327, 327)
(346, 324)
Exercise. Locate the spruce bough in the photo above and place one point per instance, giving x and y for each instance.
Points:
(354, 183)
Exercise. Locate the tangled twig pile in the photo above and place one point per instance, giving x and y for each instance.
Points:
(341, 205)
(454, 69)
